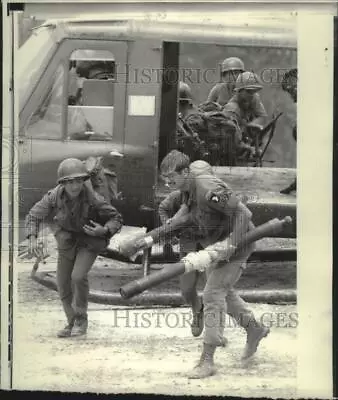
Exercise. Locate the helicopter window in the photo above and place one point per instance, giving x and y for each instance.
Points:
(45, 122)
(91, 95)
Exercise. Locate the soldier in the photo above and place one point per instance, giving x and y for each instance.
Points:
(289, 84)
(216, 213)
(84, 223)
(187, 140)
(246, 109)
(222, 92)
(185, 103)
(174, 204)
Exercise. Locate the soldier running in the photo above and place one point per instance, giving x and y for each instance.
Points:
(173, 205)
(216, 213)
(84, 223)
(222, 92)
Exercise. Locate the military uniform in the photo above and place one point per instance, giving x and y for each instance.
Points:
(256, 112)
(213, 208)
(221, 93)
(170, 205)
(77, 251)
(167, 209)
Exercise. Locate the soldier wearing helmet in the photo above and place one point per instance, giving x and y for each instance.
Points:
(245, 107)
(83, 225)
(222, 92)
(187, 140)
(185, 103)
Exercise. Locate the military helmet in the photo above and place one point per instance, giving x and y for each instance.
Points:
(248, 80)
(200, 167)
(71, 168)
(184, 92)
(232, 64)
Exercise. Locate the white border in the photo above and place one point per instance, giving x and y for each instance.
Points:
(314, 189)
(314, 196)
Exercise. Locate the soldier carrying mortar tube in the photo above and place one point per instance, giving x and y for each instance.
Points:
(217, 214)
(175, 202)
(84, 222)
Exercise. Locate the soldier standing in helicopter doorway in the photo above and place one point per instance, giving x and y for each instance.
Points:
(84, 223)
(222, 92)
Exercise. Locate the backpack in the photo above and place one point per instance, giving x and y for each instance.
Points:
(217, 131)
(103, 180)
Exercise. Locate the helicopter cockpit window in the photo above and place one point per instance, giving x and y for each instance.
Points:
(45, 122)
(91, 95)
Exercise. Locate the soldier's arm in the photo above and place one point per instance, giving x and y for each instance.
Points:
(231, 111)
(213, 95)
(226, 202)
(166, 209)
(170, 206)
(109, 214)
(259, 111)
(39, 212)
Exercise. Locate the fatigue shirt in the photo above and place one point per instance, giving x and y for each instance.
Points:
(212, 205)
(171, 204)
(221, 93)
(71, 215)
(256, 113)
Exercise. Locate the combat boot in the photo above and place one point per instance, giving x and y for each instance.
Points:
(254, 335)
(206, 366)
(197, 322)
(66, 331)
(80, 326)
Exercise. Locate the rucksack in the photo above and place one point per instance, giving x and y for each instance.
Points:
(103, 180)
(217, 131)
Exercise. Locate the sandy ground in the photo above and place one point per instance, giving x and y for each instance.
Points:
(143, 350)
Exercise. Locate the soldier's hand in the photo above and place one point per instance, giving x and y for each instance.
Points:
(258, 153)
(253, 125)
(95, 229)
(225, 250)
(35, 249)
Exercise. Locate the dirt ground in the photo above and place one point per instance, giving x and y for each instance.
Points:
(144, 350)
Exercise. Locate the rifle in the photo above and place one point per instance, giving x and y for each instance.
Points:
(259, 136)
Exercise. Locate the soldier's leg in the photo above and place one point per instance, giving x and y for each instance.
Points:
(240, 311)
(219, 282)
(83, 262)
(188, 286)
(236, 306)
(255, 330)
(64, 270)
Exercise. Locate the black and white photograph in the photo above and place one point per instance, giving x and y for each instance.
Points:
(153, 184)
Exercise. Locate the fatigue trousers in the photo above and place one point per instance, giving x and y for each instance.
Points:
(219, 297)
(76, 255)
